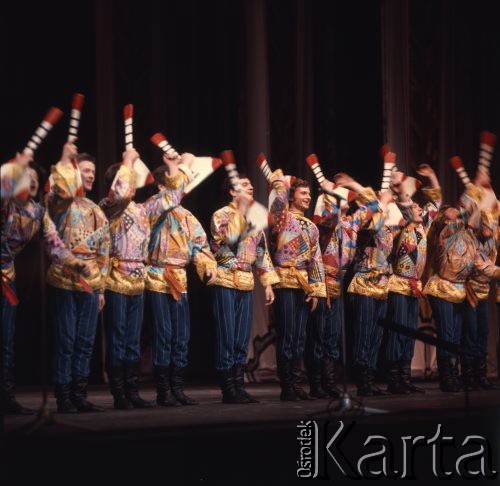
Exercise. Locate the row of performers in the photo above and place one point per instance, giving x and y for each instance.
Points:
(118, 255)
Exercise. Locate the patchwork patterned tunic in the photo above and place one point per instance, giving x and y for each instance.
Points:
(84, 230)
(235, 261)
(177, 238)
(129, 229)
(294, 244)
(335, 228)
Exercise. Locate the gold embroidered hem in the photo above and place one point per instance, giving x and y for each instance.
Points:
(237, 279)
(401, 285)
(369, 285)
(289, 278)
(292, 278)
(332, 289)
(124, 284)
(481, 289)
(62, 277)
(269, 278)
(444, 289)
(318, 289)
(155, 280)
(201, 268)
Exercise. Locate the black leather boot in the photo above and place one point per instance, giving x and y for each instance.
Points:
(362, 381)
(329, 377)
(64, 404)
(78, 395)
(116, 376)
(177, 384)
(480, 369)
(446, 381)
(467, 374)
(405, 374)
(371, 383)
(286, 381)
(296, 379)
(315, 382)
(454, 373)
(9, 403)
(132, 385)
(164, 395)
(228, 387)
(239, 383)
(394, 380)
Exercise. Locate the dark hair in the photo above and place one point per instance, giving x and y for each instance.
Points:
(295, 185)
(42, 175)
(227, 186)
(85, 156)
(159, 175)
(109, 176)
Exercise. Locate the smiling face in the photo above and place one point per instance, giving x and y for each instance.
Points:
(34, 182)
(301, 199)
(246, 187)
(87, 170)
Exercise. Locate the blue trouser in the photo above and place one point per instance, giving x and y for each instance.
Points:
(9, 330)
(367, 314)
(403, 311)
(324, 331)
(448, 318)
(333, 329)
(475, 329)
(171, 328)
(291, 312)
(233, 314)
(74, 316)
(122, 325)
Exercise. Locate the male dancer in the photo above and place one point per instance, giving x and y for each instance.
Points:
(75, 301)
(237, 254)
(177, 238)
(405, 287)
(338, 238)
(129, 230)
(296, 255)
(21, 220)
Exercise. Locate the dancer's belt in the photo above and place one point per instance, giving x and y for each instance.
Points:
(176, 287)
(292, 276)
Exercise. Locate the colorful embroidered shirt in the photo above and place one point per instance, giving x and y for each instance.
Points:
(236, 256)
(129, 231)
(335, 228)
(410, 247)
(83, 228)
(294, 244)
(177, 238)
(487, 248)
(20, 221)
(457, 254)
(371, 261)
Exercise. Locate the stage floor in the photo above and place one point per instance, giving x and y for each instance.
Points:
(215, 443)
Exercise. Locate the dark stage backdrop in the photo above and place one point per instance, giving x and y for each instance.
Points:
(287, 77)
